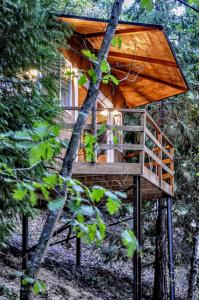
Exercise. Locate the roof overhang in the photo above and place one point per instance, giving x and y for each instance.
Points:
(145, 64)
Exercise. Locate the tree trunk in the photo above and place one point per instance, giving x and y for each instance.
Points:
(193, 290)
(37, 256)
(160, 283)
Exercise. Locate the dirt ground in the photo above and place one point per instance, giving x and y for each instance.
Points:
(95, 279)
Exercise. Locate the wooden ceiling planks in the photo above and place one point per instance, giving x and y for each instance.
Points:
(145, 59)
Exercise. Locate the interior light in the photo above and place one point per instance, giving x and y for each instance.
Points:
(104, 113)
(115, 113)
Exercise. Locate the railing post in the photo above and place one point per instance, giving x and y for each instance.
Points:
(172, 169)
(94, 130)
(110, 152)
(142, 141)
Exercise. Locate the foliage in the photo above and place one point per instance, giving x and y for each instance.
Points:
(29, 42)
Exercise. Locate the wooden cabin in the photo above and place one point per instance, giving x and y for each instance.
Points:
(147, 70)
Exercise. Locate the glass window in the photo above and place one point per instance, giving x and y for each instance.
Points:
(65, 83)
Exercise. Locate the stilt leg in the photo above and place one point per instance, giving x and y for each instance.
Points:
(78, 252)
(24, 242)
(170, 248)
(137, 287)
(23, 292)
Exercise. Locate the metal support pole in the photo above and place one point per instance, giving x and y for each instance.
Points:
(24, 242)
(137, 277)
(170, 249)
(78, 252)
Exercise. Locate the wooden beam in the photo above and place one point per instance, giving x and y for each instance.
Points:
(152, 123)
(154, 163)
(143, 58)
(83, 168)
(164, 137)
(167, 153)
(121, 32)
(152, 155)
(151, 136)
(131, 110)
(118, 127)
(135, 147)
(126, 71)
(167, 169)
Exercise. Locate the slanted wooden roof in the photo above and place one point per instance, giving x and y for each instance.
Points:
(145, 63)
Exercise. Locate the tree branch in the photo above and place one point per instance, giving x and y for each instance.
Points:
(93, 91)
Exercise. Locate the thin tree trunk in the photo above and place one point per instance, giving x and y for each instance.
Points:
(38, 255)
(193, 290)
(160, 283)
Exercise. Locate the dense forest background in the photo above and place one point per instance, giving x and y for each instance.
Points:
(30, 38)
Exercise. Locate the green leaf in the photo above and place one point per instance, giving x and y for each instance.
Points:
(115, 140)
(89, 141)
(78, 188)
(36, 288)
(92, 75)
(36, 154)
(102, 130)
(102, 228)
(51, 179)
(121, 194)
(27, 280)
(193, 2)
(82, 80)
(113, 205)
(104, 67)
(92, 228)
(33, 198)
(129, 240)
(41, 128)
(39, 287)
(110, 78)
(90, 55)
(56, 205)
(148, 4)
(86, 210)
(110, 194)
(20, 192)
(97, 194)
(116, 42)
(42, 151)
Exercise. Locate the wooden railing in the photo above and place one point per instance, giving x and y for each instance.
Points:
(131, 136)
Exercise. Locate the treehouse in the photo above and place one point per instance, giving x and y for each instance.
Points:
(132, 143)
(131, 153)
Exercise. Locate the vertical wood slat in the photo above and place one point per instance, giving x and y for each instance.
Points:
(159, 168)
(171, 165)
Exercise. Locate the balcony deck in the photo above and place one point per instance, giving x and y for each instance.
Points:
(147, 153)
